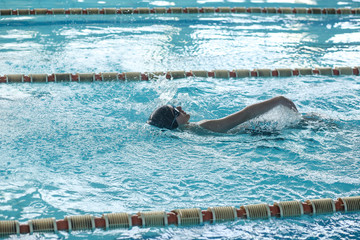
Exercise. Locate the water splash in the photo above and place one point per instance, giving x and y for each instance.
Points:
(272, 121)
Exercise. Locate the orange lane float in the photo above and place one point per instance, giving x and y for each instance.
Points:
(182, 217)
(139, 76)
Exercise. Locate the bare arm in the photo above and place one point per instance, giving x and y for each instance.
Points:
(250, 112)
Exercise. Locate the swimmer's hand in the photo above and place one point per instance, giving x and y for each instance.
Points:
(287, 103)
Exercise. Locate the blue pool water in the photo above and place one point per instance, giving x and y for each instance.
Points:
(70, 148)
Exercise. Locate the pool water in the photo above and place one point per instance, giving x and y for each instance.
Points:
(175, 3)
(85, 148)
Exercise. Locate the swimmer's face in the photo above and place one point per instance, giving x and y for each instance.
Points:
(183, 118)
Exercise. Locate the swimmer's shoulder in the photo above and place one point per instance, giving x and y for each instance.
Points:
(196, 127)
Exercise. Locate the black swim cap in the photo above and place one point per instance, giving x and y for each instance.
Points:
(163, 117)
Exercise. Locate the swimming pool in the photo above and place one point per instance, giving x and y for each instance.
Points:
(84, 148)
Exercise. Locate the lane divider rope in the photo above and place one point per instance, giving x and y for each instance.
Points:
(176, 10)
(182, 217)
(138, 76)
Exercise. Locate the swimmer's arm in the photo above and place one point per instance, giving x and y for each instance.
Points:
(248, 113)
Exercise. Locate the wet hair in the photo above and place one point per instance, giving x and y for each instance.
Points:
(163, 117)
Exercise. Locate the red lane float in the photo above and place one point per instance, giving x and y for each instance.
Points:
(183, 217)
(178, 10)
(138, 76)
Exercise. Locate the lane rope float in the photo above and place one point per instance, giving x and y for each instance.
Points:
(139, 76)
(177, 10)
(182, 217)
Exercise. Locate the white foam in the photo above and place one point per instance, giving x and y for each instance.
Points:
(12, 93)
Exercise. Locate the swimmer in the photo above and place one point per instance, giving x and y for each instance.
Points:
(171, 117)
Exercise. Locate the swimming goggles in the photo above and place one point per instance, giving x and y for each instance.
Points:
(176, 114)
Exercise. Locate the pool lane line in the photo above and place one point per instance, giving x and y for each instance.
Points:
(177, 10)
(183, 217)
(139, 76)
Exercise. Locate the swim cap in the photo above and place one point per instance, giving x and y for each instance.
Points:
(163, 117)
